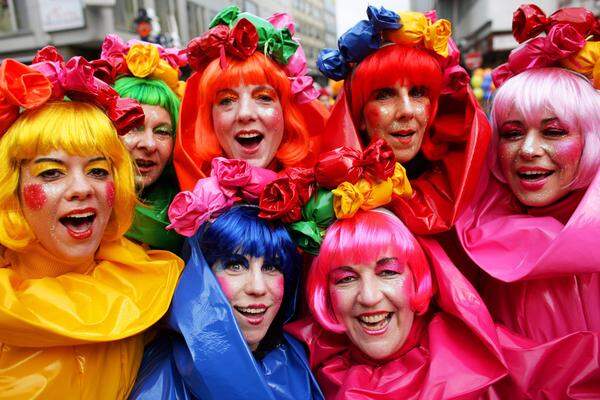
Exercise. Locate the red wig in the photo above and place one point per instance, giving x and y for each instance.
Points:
(390, 64)
(360, 240)
(197, 143)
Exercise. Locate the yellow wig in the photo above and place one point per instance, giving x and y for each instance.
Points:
(80, 129)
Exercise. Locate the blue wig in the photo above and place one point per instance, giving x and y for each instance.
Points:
(241, 231)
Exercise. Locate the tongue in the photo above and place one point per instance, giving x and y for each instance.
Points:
(78, 224)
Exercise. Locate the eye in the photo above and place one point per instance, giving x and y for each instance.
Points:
(417, 92)
(388, 273)
(345, 279)
(511, 133)
(265, 97)
(163, 131)
(226, 101)
(51, 174)
(554, 132)
(138, 129)
(385, 93)
(99, 173)
(270, 268)
(234, 266)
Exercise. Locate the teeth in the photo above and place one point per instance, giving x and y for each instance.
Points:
(84, 215)
(373, 319)
(252, 310)
(534, 172)
(248, 135)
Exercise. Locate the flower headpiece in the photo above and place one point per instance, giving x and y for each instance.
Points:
(239, 35)
(142, 60)
(230, 182)
(385, 26)
(50, 78)
(343, 181)
(569, 42)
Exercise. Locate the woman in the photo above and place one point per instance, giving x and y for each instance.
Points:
(149, 74)
(534, 225)
(420, 104)
(76, 295)
(249, 98)
(238, 289)
(375, 335)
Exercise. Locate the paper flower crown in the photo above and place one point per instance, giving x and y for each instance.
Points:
(142, 60)
(343, 181)
(51, 78)
(385, 26)
(238, 35)
(570, 41)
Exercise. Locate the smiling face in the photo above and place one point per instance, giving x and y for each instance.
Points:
(372, 302)
(540, 161)
(67, 201)
(254, 290)
(398, 114)
(151, 145)
(248, 122)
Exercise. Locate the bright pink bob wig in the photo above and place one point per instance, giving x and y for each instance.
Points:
(360, 240)
(565, 94)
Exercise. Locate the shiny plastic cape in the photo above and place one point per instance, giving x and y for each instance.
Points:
(455, 353)
(206, 356)
(151, 218)
(189, 170)
(456, 145)
(542, 283)
(79, 335)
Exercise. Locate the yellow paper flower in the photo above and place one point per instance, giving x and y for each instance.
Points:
(400, 183)
(586, 62)
(376, 195)
(437, 35)
(167, 74)
(413, 29)
(180, 89)
(142, 59)
(347, 199)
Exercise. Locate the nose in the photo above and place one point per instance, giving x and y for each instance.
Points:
(79, 187)
(370, 294)
(255, 284)
(146, 140)
(404, 107)
(247, 109)
(532, 146)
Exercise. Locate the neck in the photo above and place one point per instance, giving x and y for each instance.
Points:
(36, 262)
(561, 209)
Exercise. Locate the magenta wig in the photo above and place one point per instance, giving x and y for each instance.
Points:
(567, 95)
(360, 240)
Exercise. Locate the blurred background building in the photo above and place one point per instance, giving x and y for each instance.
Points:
(77, 27)
(483, 28)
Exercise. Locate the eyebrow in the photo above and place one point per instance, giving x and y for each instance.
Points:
(96, 159)
(386, 260)
(47, 159)
(545, 121)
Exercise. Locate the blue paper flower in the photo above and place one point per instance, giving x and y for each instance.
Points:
(383, 19)
(359, 41)
(332, 64)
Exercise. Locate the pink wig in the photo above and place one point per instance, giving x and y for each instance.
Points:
(569, 96)
(360, 240)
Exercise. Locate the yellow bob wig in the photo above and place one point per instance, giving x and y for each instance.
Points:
(79, 129)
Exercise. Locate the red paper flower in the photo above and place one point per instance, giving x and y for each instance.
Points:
(304, 181)
(203, 49)
(379, 161)
(280, 200)
(104, 71)
(243, 39)
(48, 53)
(528, 21)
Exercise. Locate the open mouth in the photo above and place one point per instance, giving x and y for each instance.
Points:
(403, 134)
(144, 165)
(249, 140)
(375, 323)
(533, 176)
(79, 225)
(253, 314)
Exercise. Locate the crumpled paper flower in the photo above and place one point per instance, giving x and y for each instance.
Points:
(142, 59)
(332, 64)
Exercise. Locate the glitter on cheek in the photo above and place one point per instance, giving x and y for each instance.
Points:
(129, 140)
(110, 193)
(225, 286)
(34, 196)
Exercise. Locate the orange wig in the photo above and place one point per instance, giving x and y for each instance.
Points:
(196, 143)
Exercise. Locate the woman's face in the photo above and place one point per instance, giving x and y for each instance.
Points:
(372, 302)
(539, 161)
(248, 122)
(151, 145)
(254, 290)
(67, 200)
(398, 114)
